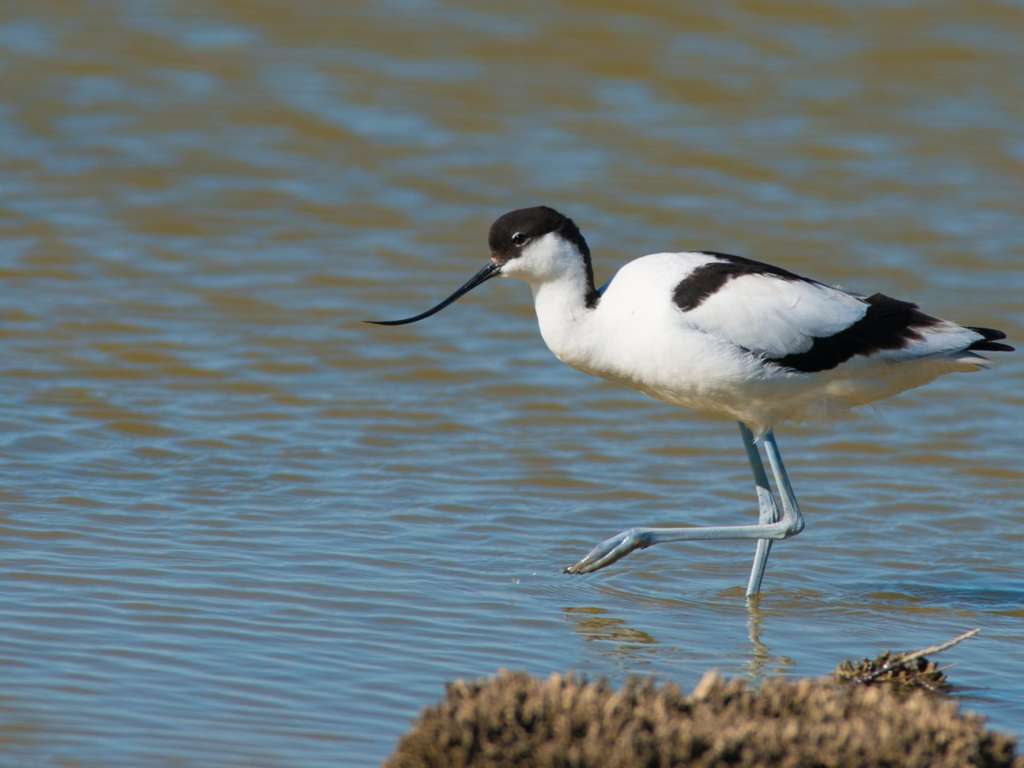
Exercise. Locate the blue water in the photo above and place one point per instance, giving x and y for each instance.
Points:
(239, 527)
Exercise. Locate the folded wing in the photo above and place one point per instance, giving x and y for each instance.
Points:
(803, 325)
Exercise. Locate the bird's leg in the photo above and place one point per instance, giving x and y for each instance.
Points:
(790, 507)
(790, 524)
(767, 511)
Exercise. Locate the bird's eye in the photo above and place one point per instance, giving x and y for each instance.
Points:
(518, 238)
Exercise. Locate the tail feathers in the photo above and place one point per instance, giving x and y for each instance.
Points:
(989, 343)
(973, 361)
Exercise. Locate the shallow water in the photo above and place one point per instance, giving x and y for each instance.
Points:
(241, 528)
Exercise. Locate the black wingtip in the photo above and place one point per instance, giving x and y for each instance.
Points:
(990, 346)
(990, 342)
(990, 334)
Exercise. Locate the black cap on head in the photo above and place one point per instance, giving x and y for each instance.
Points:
(516, 229)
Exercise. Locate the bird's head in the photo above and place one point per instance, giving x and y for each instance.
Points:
(536, 244)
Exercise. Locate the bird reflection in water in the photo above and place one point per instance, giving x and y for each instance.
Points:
(614, 637)
(593, 624)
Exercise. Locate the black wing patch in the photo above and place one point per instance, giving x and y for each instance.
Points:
(707, 279)
(888, 324)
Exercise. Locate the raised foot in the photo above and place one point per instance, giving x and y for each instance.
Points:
(610, 550)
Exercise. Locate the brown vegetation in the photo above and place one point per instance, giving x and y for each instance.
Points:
(901, 671)
(517, 720)
(889, 668)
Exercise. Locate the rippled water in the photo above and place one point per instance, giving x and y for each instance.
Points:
(241, 528)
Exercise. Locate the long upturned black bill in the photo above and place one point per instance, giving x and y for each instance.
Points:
(485, 274)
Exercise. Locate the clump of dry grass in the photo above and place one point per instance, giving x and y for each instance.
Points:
(889, 668)
(565, 722)
(901, 671)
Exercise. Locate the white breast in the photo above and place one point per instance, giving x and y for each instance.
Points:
(638, 336)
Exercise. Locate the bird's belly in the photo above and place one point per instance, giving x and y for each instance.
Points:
(697, 371)
(700, 375)
(717, 380)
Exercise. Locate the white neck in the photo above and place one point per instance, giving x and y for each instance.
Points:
(563, 316)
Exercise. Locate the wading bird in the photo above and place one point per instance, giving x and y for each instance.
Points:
(727, 336)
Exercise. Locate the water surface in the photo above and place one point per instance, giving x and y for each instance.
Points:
(241, 528)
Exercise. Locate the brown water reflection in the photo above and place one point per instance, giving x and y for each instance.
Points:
(241, 528)
(594, 626)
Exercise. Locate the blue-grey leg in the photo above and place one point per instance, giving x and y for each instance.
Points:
(790, 523)
(767, 511)
(790, 507)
